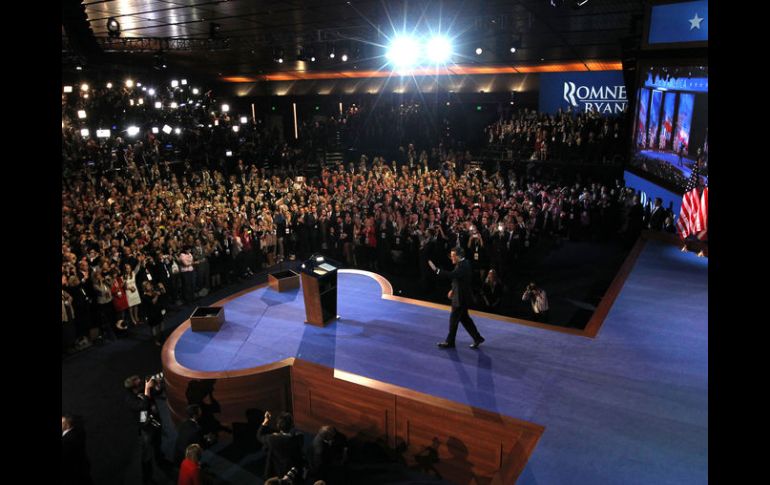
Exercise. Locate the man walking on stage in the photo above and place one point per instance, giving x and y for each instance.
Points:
(461, 296)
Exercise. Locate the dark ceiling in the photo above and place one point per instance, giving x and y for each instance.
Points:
(243, 37)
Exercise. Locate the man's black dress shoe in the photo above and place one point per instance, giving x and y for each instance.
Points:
(446, 345)
(475, 345)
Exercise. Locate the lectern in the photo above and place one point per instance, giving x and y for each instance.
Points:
(319, 287)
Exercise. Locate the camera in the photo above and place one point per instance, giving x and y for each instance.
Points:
(290, 476)
(158, 377)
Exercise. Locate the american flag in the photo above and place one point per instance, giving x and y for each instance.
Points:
(701, 219)
(690, 208)
(693, 214)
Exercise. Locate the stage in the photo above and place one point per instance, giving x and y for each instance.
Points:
(673, 160)
(628, 405)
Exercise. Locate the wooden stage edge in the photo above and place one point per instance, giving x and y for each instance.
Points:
(472, 445)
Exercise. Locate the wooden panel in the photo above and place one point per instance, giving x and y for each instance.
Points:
(237, 394)
(464, 444)
(471, 444)
(310, 291)
(355, 410)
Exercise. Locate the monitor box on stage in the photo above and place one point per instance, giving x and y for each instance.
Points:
(283, 280)
(207, 319)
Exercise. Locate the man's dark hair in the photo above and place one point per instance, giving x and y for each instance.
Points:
(285, 422)
(459, 252)
(129, 382)
(327, 433)
(193, 410)
(70, 418)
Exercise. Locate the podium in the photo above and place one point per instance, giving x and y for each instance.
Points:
(319, 288)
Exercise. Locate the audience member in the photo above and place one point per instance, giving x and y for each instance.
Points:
(75, 466)
(283, 445)
(329, 458)
(190, 468)
(538, 300)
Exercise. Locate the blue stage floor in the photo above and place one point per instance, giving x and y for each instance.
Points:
(629, 406)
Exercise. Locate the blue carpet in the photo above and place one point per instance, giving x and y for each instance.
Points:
(629, 406)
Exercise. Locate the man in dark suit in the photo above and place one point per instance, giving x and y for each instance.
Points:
(657, 215)
(74, 461)
(329, 456)
(189, 432)
(635, 221)
(461, 297)
(284, 445)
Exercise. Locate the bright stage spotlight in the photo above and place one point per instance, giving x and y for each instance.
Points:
(102, 133)
(82, 114)
(244, 120)
(84, 132)
(155, 130)
(438, 50)
(403, 52)
(225, 108)
(236, 128)
(177, 130)
(166, 129)
(67, 89)
(133, 130)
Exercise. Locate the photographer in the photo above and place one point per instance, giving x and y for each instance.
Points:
(492, 292)
(140, 399)
(539, 301)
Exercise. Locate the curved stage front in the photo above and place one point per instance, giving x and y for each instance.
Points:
(376, 372)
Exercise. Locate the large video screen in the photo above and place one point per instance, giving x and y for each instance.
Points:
(671, 120)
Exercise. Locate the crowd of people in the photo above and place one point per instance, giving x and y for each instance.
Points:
(137, 243)
(565, 136)
(152, 235)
